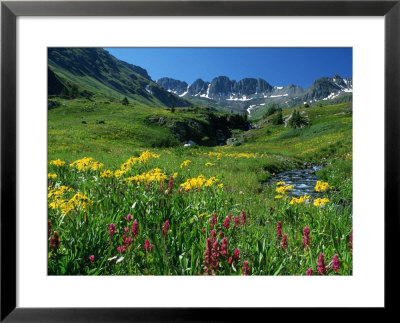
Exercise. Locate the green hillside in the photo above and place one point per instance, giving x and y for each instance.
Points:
(94, 72)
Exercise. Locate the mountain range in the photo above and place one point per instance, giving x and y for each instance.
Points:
(250, 93)
(87, 72)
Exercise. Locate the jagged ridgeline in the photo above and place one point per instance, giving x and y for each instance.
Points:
(93, 72)
(250, 94)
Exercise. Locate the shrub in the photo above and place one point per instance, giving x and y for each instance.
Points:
(125, 101)
(278, 119)
(297, 121)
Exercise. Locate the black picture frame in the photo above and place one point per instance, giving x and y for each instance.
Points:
(10, 10)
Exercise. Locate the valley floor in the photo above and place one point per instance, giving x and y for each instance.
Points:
(135, 208)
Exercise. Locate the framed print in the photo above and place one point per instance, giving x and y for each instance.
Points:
(196, 152)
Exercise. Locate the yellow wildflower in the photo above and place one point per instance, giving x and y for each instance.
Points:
(280, 183)
(107, 174)
(119, 173)
(155, 175)
(81, 201)
(175, 175)
(321, 201)
(86, 163)
(322, 187)
(299, 200)
(284, 189)
(57, 162)
(209, 164)
(52, 176)
(185, 163)
(198, 182)
(278, 196)
(142, 159)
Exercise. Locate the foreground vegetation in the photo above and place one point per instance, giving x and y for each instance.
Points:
(180, 210)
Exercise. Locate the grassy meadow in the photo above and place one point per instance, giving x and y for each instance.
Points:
(126, 198)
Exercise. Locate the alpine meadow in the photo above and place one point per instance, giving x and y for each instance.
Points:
(176, 177)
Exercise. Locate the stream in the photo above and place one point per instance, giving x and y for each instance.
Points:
(303, 180)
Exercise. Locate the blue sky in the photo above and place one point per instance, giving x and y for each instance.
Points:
(278, 66)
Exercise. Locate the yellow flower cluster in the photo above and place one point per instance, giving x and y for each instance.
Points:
(78, 201)
(243, 155)
(57, 162)
(284, 189)
(218, 155)
(321, 202)
(155, 175)
(198, 182)
(119, 172)
(52, 176)
(142, 159)
(322, 187)
(58, 193)
(209, 164)
(185, 163)
(175, 175)
(107, 174)
(213, 154)
(86, 163)
(299, 200)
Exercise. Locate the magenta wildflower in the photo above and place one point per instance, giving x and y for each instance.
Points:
(236, 254)
(335, 263)
(121, 249)
(236, 219)
(170, 184)
(284, 243)
(245, 268)
(112, 230)
(135, 229)
(321, 264)
(203, 230)
(165, 227)
(230, 217)
(213, 234)
(223, 250)
(148, 246)
(91, 258)
(226, 222)
(243, 218)
(279, 230)
(55, 241)
(128, 218)
(306, 237)
(309, 272)
(49, 228)
(211, 256)
(214, 220)
(351, 239)
(230, 261)
(161, 186)
(220, 234)
(126, 229)
(126, 241)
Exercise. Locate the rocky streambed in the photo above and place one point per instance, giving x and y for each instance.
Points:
(303, 180)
